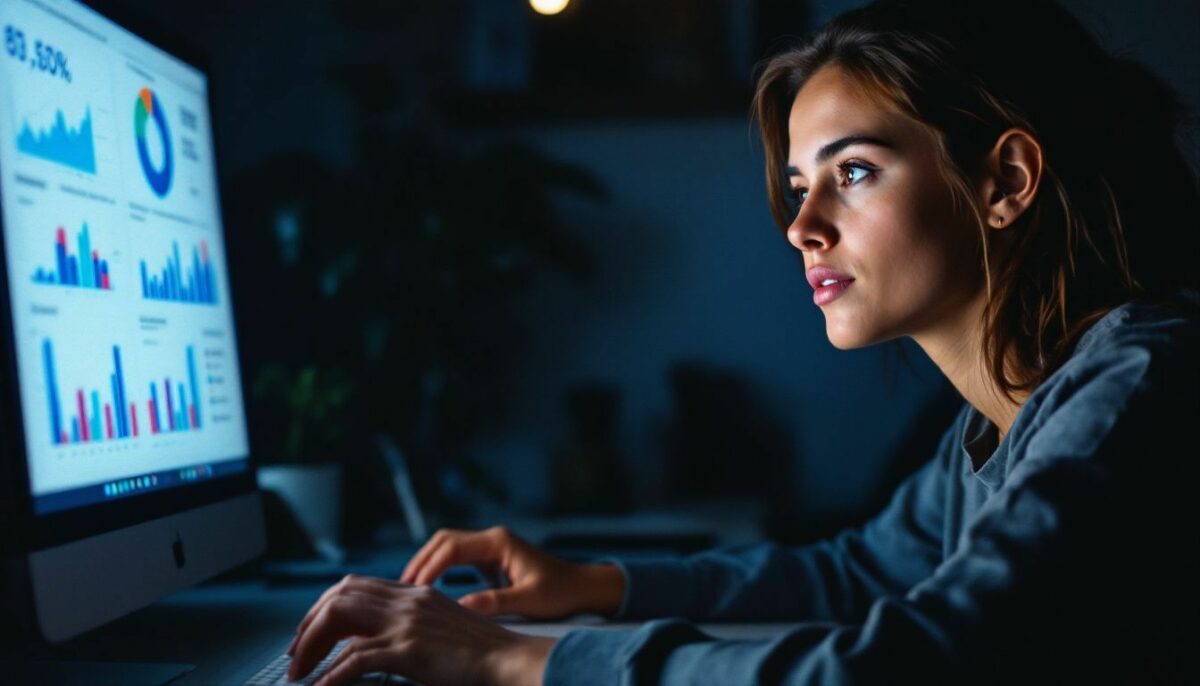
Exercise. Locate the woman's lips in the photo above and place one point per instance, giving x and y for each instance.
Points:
(827, 294)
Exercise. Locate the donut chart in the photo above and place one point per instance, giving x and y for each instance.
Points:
(148, 106)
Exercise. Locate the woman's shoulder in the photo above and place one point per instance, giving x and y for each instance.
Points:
(1135, 372)
(1156, 325)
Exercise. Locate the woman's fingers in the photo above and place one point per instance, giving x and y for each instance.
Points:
(458, 547)
(414, 631)
(518, 600)
(351, 583)
(348, 613)
(418, 560)
(356, 646)
(380, 659)
(333, 622)
(440, 539)
(465, 549)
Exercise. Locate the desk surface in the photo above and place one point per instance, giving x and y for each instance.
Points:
(232, 626)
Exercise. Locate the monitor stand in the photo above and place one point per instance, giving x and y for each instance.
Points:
(83, 673)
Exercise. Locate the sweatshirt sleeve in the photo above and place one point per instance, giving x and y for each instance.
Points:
(835, 579)
(1074, 571)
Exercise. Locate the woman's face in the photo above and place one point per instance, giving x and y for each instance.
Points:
(875, 207)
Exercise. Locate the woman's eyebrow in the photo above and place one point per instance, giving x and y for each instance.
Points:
(830, 149)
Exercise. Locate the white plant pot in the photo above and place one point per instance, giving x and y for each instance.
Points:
(312, 493)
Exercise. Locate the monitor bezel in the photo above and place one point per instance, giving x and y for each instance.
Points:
(29, 531)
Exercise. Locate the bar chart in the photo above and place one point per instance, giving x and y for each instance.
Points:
(195, 284)
(84, 269)
(92, 415)
(180, 414)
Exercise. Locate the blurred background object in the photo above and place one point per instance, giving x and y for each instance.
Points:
(588, 472)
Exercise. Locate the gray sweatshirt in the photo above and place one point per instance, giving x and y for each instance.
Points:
(1063, 554)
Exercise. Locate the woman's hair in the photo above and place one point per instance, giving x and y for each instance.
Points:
(1117, 211)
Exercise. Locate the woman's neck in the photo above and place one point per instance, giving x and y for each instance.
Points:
(957, 350)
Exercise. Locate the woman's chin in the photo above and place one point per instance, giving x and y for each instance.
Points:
(845, 337)
(845, 343)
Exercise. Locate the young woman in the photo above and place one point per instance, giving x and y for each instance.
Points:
(992, 184)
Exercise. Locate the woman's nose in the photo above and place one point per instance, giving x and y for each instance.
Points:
(812, 229)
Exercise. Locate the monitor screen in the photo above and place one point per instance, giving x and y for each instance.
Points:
(122, 324)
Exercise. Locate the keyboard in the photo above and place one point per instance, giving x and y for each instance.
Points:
(275, 673)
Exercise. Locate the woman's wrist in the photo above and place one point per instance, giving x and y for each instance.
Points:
(523, 662)
(605, 588)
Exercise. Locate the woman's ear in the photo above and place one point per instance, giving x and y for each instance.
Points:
(1012, 171)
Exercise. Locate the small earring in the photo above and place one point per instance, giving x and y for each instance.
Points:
(999, 221)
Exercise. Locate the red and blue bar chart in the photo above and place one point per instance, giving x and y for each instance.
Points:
(181, 416)
(92, 421)
(197, 284)
(84, 269)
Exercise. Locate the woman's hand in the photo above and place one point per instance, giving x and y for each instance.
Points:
(542, 586)
(412, 631)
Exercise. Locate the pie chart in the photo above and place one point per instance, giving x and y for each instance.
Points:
(147, 107)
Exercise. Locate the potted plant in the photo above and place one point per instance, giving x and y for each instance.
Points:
(309, 406)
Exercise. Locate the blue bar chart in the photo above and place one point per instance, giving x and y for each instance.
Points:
(83, 269)
(195, 283)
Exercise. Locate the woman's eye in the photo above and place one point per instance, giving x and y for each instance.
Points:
(851, 173)
(795, 198)
(854, 172)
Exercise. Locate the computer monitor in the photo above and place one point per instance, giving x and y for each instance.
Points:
(125, 449)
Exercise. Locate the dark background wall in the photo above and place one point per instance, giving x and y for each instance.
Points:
(667, 328)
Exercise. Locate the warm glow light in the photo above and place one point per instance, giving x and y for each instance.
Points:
(548, 6)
